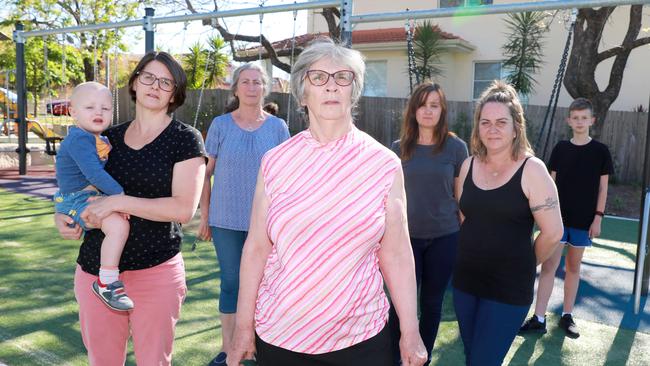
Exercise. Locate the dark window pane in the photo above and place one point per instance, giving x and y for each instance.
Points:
(451, 3)
(479, 86)
(487, 70)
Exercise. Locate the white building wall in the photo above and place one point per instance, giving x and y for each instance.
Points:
(487, 34)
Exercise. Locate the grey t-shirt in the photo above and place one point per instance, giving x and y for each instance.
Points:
(429, 183)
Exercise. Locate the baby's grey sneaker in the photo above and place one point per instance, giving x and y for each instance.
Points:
(113, 295)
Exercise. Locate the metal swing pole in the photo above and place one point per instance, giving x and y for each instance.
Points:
(642, 268)
(148, 29)
(21, 91)
(346, 24)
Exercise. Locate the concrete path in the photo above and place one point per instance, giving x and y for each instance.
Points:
(604, 296)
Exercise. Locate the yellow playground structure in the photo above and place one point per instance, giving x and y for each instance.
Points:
(8, 101)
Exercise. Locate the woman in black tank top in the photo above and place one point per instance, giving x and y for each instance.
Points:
(503, 191)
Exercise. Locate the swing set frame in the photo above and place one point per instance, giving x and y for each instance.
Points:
(347, 19)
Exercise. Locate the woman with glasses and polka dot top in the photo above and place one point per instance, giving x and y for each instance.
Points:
(160, 163)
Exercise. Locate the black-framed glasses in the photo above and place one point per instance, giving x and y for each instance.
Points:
(320, 77)
(148, 78)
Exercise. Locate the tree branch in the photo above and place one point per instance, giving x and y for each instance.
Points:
(190, 7)
(630, 41)
(329, 14)
(619, 50)
(65, 5)
(618, 68)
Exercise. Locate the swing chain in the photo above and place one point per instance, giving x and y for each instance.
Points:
(293, 48)
(116, 79)
(46, 72)
(211, 56)
(555, 93)
(261, 29)
(408, 28)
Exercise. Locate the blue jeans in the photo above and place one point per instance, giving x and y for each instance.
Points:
(228, 244)
(434, 261)
(73, 204)
(487, 327)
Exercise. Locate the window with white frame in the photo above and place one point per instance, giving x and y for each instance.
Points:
(484, 74)
(459, 3)
(375, 83)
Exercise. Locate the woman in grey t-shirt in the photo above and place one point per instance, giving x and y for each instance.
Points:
(235, 144)
(431, 158)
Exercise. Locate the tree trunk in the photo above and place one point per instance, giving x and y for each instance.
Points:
(89, 71)
(35, 99)
(580, 77)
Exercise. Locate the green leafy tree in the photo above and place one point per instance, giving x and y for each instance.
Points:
(428, 48)
(43, 14)
(42, 80)
(523, 49)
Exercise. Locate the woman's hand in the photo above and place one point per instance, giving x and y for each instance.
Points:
(412, 349)
(204, 229)
(66, 226)
(243, 347)
(99, 209)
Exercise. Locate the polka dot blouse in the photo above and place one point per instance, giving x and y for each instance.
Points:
(145, 173)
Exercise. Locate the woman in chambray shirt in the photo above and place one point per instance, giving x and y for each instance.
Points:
(235, 144)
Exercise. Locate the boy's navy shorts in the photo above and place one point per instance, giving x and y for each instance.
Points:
(73, 204)
(576, 237)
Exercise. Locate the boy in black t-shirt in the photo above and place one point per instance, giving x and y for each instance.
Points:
(580, 168)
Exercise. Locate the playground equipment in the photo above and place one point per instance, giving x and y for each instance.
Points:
(9, 100)
(51, 138)
(45, 133)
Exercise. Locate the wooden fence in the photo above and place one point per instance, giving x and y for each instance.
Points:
(624, 132)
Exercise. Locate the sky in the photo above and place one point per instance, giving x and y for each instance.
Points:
(178, 37)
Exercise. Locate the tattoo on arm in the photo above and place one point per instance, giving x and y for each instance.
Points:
(549, 204)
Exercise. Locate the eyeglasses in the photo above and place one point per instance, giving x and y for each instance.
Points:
(320, 77)
(148, 78)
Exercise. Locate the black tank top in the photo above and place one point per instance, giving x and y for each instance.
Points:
(496, 259)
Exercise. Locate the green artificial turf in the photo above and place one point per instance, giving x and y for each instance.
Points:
(38, 313)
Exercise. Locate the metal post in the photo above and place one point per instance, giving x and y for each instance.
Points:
(346, 25)
(641, 253)
(148, 29)
(21, 91)
(642, 269)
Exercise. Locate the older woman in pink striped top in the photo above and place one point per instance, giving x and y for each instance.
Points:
(328, 220)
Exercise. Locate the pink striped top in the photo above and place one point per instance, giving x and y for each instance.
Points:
(322, 290)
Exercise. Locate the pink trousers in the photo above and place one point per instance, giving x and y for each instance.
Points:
(157, 292)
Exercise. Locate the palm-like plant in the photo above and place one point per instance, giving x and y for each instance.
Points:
(206, 67)
(523, 50)
(218, 61)
(428, 48)
(194, 62)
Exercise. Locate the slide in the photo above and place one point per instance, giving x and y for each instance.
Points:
(45, 133)
(8, 100)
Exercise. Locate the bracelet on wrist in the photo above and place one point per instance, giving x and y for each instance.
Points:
(600, 213)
